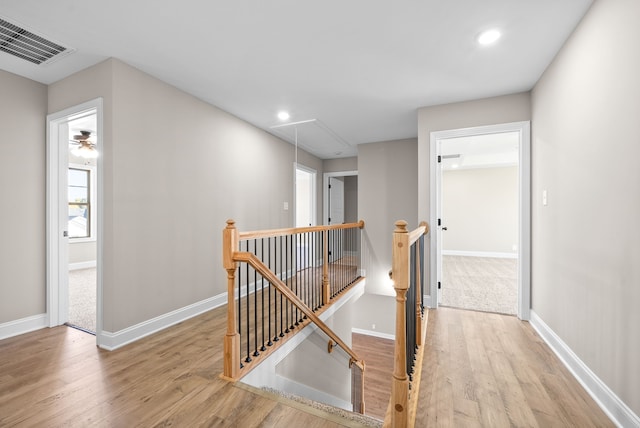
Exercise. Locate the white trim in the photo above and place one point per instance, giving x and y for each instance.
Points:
(609, 402)
(82, 265)
(524, 232)
(325, 194)
(480, 254)
(56, 249)
(128, 335)
(23, 325)
(373, 333)
(292, 387)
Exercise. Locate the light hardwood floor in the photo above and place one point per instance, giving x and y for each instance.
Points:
(479, 370)
(491, 370)
(378, 356)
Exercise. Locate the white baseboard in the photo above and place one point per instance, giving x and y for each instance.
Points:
(282, 383)
(82, 265)
(610, 403)
(480, 254)
(111, 341)
(374, 333)
(23, 325)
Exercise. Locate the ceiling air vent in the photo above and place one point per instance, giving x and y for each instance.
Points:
(24, 44)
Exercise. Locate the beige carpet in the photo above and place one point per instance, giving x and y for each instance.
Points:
(480, 283)
(82, 298)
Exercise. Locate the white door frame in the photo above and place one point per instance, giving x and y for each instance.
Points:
(524, 230)
(57, 244)
(325, 193)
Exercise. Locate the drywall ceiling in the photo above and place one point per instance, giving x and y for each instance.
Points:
(359, 67)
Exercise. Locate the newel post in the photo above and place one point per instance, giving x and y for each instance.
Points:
(232, 338)
(400, 269)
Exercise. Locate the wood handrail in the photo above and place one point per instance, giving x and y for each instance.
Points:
(263, 270)
(293, 230)
(416, 233)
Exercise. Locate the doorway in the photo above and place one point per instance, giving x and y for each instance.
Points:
(74, 138)
(341, 206)
(480, 212)
(305, 196)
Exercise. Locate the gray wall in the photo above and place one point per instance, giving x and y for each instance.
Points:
(351, 199)
(586, 241)
(340, 164)
(22, 217)
(480, 209)
(175, 168)
(387, 192)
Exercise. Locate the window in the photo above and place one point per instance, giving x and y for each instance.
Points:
(80, 183)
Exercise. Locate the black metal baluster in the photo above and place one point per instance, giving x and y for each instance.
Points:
(269, 343)
(275, 292)
(239, 309)
(281, 302)
(308, 268)
(286, 281)
(255, 303)
(248, 300)
(292, 279)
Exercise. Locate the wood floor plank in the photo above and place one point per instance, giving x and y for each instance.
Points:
(478, 370)
(516, 380)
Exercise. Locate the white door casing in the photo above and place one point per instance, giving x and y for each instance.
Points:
(524, 221)
(57, 213)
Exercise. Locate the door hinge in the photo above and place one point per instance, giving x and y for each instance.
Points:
(439, 159)
(329, 219)
(439, 222)
(329, 186)
(439, 285)
(65, 234)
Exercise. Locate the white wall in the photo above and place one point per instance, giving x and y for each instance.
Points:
(586, 241)
(480, 210)
(22, 217)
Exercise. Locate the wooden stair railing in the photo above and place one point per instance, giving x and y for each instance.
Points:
(233, 368)
(407, 274)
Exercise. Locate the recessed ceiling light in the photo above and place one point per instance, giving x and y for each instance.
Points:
(488, 37)
(283, 115)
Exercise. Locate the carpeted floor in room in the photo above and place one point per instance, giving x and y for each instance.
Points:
(82, 298)
(480, 283)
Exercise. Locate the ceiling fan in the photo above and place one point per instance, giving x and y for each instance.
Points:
(84, 147)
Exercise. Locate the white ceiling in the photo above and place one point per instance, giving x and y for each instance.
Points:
(361, 68)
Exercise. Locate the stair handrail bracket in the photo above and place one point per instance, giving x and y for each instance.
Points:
(281, 280)
(407, 273)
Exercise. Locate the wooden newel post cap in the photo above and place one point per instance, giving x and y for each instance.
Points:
(401, 226)
(231, 224)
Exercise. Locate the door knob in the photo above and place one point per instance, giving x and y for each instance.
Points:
(444, 228)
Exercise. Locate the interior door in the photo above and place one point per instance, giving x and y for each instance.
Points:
(63, 224)
(336, 200)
